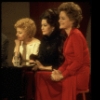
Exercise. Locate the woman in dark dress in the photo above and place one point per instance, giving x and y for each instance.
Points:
(50, 51)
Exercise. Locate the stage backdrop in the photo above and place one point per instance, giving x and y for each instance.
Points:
(12, 11)
(36, 9)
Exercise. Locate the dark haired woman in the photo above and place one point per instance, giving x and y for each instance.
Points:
(50, 50)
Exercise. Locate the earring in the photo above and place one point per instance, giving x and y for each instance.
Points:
(52, 30)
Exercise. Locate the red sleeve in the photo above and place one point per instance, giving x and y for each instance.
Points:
(76, 42)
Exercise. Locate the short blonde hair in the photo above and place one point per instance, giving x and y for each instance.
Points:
(26, 24)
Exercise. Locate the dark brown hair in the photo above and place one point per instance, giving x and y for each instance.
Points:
(51, 15)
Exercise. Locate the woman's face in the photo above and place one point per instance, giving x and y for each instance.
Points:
(46, 28)
(64, 21)
(21, 34)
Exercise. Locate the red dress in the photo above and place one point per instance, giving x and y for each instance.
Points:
(75, 69)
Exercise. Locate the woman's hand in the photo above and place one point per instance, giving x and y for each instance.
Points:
(17, 45)
(17, 42)
(33, 64)
(31, 61)
(35, 67)
(39, 65)
(56, 75)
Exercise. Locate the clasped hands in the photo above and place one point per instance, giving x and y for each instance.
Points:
(56, 75)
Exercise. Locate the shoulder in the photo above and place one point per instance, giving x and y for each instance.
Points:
(76, 33)
(77, 37)
(35, 41)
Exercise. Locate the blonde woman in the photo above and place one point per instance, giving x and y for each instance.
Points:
(25, 44)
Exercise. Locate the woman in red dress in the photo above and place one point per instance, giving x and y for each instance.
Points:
(73, 75)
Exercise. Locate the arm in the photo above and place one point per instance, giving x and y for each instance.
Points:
(76, 45)
(41, 67)
(16, 50)
(17, 45)
(73, 58)
(34, 59)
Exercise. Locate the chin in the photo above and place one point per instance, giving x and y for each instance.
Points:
(20, 39)
(44, 33)
(61, 27)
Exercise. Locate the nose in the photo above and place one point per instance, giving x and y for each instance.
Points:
(59, 21)
(42, 28)
(16, 34)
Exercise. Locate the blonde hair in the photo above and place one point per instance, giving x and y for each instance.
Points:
(26, 24)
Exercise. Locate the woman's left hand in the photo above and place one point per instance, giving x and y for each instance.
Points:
(56, 75)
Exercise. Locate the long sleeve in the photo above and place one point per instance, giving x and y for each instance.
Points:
(75, 52)
(50, 51)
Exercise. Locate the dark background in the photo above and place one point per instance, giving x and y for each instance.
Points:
(12, 11)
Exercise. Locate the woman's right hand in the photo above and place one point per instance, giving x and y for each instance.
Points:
(17, 45)
(17, 42)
